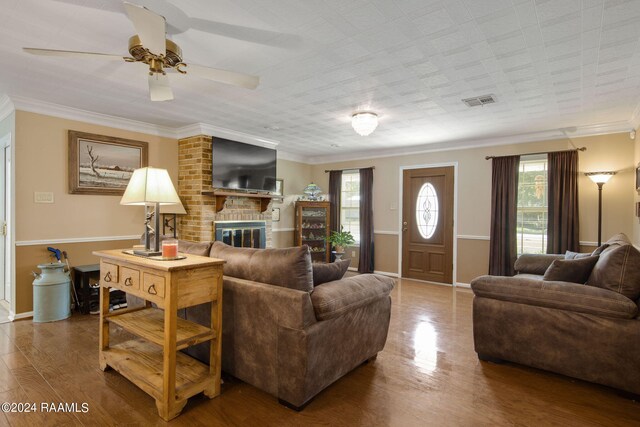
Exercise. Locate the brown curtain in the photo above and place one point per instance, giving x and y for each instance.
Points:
(563, 226)
(504, 202)
(335, 188)
(365, 263)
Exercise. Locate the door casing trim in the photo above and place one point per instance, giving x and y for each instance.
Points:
(455, 213)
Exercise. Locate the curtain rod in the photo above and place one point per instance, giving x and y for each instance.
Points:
(541, 152)
(347, 169)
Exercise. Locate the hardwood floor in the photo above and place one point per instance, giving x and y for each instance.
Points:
(428, 374)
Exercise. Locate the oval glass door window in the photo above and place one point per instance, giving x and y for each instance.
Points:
(427, 210)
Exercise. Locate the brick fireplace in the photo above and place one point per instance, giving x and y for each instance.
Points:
(194, 180)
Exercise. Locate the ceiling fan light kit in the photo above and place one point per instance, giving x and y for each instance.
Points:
(151, 47)
(364, 122)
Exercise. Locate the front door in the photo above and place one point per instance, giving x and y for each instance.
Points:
(427, 224)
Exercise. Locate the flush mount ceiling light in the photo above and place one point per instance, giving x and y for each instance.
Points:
(364, 122)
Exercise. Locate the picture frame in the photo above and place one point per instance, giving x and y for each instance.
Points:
(103, 165)
(638, 178)
(279, 188)
(275, 215)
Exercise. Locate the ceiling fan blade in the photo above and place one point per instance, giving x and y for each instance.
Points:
(159, 89)
(223, 76)
(254, 35)
(71, 53)
(149, 26)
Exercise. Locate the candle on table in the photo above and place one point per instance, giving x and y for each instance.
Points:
(170, 248)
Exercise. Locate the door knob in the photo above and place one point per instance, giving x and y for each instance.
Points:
(404, 226)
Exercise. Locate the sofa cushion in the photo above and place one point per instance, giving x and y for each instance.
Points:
(333, 299)
(618, 269)
(535, 263)
(194, 248)
(288, 267)
(323, 273)
(570, 270)
(558, 295)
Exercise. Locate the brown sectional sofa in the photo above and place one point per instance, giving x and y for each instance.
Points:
(285, 335)
(589, 331)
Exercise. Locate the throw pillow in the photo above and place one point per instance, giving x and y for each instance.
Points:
(323, 273)
(575, 255)
(570, 270)
(618, 270)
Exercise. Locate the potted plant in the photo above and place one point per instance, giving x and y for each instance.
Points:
(340, 239)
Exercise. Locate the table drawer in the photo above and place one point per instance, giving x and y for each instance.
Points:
(108, 274)
(152, 285)
(130, 279)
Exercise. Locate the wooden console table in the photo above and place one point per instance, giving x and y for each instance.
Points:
(152, 360)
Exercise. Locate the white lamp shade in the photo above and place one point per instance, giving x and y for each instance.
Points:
(364, 123)
(173, 209)
(148, 186)
(600, 177)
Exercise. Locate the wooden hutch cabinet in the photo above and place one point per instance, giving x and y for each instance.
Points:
(312, 229)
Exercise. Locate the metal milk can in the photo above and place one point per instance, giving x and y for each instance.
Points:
(51, 293)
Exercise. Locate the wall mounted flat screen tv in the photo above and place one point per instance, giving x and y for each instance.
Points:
(241, 166)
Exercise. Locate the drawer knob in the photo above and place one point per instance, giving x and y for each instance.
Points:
(128, 281)
(107, 277)
(152, 290)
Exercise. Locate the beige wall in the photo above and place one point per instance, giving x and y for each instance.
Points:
(296, 176)
(607, 152)
(41, 165)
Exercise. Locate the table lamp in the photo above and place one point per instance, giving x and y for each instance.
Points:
(170, 217)
(150, 186)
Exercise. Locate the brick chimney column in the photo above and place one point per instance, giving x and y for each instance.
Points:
(194, 175)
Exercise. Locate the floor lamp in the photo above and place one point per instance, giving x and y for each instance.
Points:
(600, 178)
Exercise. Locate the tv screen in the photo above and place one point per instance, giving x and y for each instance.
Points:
(243, 166)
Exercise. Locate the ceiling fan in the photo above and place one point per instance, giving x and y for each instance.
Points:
(150, 47)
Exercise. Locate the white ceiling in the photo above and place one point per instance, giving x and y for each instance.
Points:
(551, 64)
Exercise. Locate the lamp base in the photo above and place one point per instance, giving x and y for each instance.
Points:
(143, 252)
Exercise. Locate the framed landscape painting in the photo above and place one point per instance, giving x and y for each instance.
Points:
(101, 164)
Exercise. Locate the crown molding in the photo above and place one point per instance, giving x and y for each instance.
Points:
(9, 104)
(6, 106)
(207, 129)
(466, 144)
(70, 113)
(285, 155)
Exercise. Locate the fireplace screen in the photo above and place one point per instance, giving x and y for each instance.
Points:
(241, 234)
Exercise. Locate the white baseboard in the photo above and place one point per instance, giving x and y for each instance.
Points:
(26, 315)
(463, 285)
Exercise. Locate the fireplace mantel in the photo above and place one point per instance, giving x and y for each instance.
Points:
(221, 198)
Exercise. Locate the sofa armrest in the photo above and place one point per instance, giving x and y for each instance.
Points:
(535, 263)
(558, 295)
(334, 299)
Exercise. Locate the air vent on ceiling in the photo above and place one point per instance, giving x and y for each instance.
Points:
(479, 100)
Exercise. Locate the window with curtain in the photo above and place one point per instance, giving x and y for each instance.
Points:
(533, 205)
(350, 203)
